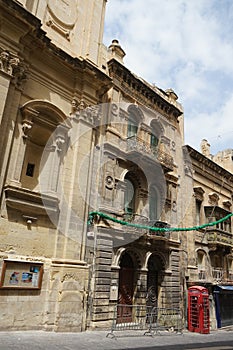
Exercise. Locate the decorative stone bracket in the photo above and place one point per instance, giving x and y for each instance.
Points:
(13, 65)
(80, 110)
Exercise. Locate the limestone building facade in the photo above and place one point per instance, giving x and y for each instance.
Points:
(208, 253)
(81, 133)
(49, 65)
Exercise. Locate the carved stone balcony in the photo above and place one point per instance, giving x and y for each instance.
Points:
(135, 144)
(200, 236)
(144, 221)
(165, 235)
(199, 275)
(211, 275)
(218, 237)
(135, 219)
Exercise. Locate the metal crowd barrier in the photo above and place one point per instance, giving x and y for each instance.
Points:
(150, 319)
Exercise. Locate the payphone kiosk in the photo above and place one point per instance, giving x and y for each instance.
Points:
(198, 310)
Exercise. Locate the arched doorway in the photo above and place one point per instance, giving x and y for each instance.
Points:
(126, 289)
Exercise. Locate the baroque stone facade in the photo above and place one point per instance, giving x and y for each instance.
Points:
(80, 134)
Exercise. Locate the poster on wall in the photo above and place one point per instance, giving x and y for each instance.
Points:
(21, 274)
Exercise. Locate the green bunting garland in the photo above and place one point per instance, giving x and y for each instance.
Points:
(160, 229)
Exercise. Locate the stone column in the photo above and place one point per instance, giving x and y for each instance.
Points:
(142, 286)
(4, 88)
(13, 75)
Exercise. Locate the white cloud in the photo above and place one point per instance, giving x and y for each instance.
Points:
(216, 127)
(183, 44)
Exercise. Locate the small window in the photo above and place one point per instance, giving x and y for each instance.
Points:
(154, 140)
(132, 129)
(198, 212)
(30, 169)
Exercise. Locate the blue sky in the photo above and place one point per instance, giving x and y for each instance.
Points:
(186, 45)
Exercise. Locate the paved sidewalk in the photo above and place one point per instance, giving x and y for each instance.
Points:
(97, 340)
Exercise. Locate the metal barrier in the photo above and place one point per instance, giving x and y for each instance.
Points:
(150, 319)
(165, 319)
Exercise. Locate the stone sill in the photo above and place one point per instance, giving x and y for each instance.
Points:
(30, 202)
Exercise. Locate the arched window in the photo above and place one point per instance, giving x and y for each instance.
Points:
(153, 204)
(202, 264)
(135, 116)
(129, 199)
(157, 132)
(132, 128)
(154, 141)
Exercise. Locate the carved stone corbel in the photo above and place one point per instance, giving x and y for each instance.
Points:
(13, 65)
(79, 109)
(28, 115)
(59, 143)
(26, 127)
(5, 62)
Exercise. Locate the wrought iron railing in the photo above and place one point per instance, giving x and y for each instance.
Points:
(134, 143)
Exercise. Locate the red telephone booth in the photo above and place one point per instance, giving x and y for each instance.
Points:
(198, 310)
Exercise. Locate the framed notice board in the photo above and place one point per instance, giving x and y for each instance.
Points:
(21, 274)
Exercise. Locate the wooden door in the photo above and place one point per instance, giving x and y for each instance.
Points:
(125, 299)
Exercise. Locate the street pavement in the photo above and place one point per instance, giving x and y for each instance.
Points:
(133, 340)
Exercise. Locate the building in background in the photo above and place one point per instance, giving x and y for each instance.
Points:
(82, 133)
(223, 158)
(208, 250)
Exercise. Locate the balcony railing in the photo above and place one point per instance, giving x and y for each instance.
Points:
(216, 236)
(218, 274)
(134, 143)
(213, 275)
(230, 276)
(202, 274)
(144, 221)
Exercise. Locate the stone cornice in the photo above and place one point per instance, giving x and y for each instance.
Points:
(35, 38)
(142, 91)
(20, 12)
(208, 164)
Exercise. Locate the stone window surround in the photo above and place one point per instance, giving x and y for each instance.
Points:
(37, 112)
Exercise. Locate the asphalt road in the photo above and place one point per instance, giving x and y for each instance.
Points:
(97, 340)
